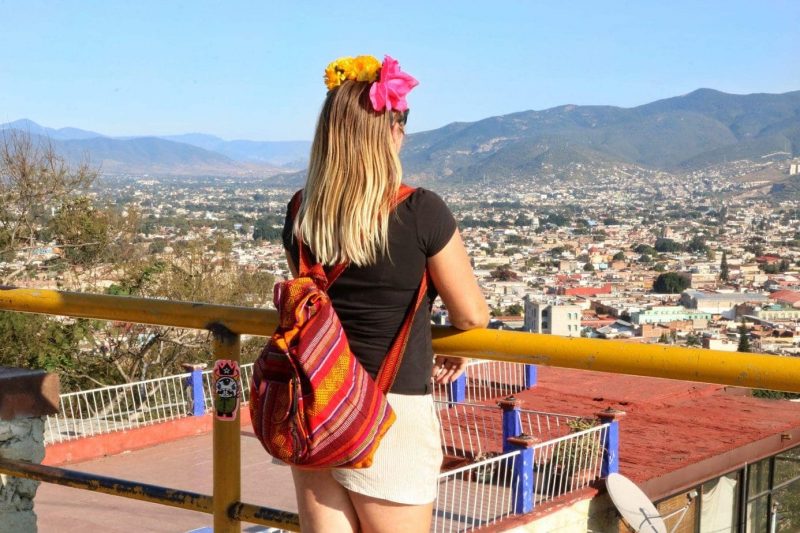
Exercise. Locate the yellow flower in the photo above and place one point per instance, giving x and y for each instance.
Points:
(361, 68)
(337, 72)
(366, 68)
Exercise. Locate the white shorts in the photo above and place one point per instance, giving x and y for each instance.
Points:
(408, 460)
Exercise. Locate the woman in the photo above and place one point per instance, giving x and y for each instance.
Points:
(348, 216)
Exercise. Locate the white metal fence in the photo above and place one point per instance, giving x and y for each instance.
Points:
(470, 431)
(485, 491)
(568, 463)
(488, 380)
(546, 426)
(107, 409)
(476, 495)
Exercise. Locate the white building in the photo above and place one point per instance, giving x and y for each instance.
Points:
(719, 303)
(553, 318)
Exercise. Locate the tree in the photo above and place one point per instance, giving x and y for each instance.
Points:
(619, 256)
(268, 228)
(744, 338)
(38, 341)
(33, 180)
(514, 310)
(665, 245)
(134, 352)
(644, 249)
(671, 283)
(504, 273)
(724, 271)
(556, 219)
(588, 267)
(81, 229)
(698, 245)
(522, 220)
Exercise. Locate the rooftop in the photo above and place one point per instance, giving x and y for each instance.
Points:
(671, 427)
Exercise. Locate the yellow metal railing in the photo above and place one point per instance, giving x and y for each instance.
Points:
(228, 323)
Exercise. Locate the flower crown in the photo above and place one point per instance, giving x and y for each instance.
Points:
(389, 85)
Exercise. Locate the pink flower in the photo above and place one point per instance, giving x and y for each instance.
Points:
(390, 91)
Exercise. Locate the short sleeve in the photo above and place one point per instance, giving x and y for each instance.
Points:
(435, 223)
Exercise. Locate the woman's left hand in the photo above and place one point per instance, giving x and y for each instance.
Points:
(447, 368)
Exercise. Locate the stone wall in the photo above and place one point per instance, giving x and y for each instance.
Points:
(20, 439)
(26, 396)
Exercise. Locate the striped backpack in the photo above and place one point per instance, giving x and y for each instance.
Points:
(312, 403)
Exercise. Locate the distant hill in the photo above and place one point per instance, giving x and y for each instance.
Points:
(702, 128)
(138, 155)
(33, 128)
(147, 155)
(286, 154)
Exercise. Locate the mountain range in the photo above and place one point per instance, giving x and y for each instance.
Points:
(687, 132)
(702, 128)
(188, 154)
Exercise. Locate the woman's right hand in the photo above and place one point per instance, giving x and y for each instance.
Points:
(448, 368)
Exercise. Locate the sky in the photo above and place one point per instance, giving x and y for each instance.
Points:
(253, 69)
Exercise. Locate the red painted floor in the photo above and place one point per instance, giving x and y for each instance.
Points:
(183, 464)
(669, 423)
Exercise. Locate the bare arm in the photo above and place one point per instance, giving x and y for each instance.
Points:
(452, 276)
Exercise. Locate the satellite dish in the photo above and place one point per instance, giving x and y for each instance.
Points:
(634, 506)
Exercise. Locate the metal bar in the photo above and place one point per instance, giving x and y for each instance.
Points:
(265, 516)
(654, 360)
(227, 443)
(108, 485)
(192, 315)
(691, 364)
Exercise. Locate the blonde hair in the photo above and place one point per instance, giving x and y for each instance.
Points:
(354, 174)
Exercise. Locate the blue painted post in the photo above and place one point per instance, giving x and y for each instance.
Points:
(611, 442)
(523, 472)
(512, 425)
(531, 376)
(457, 390)
(195, 383)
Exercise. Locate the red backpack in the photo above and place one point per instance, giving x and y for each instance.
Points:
(312, 403)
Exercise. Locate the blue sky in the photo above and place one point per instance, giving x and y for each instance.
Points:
(253, 69)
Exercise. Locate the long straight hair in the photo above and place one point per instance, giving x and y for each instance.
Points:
(354, 174)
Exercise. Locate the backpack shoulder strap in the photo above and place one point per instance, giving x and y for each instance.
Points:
(391, 363)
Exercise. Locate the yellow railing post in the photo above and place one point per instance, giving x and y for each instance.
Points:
(227, 445)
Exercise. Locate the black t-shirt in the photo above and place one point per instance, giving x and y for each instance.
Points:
(372, 301)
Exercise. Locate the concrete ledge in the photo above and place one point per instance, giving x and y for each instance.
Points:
(117, 442)
(27, 393)
(585, 510)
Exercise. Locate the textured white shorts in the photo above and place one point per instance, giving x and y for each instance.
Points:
(407, 463)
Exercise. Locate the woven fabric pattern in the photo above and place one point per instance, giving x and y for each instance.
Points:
(312, 403)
